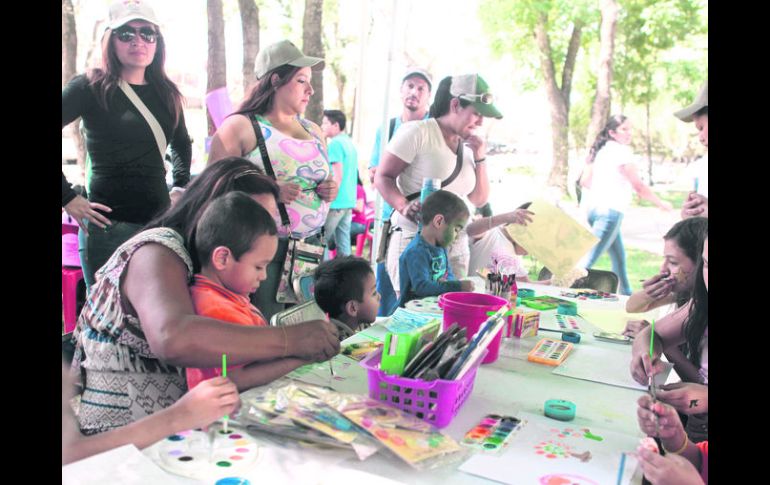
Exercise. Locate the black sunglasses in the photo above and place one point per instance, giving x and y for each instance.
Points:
(128, 34)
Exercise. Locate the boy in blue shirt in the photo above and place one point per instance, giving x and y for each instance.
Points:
(424, 265)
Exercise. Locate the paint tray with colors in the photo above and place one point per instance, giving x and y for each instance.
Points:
(492, 433)
(589, 294)
(193, 454)
(549, 352)
(544, 302)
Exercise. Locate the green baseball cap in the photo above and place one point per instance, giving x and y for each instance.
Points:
(280, 54)
(471, 87)
(701, 101)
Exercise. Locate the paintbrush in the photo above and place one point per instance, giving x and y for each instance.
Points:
(653, 392)
(224, 374)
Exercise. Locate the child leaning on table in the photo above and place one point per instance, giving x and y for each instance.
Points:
(235, 240)
(346, 289)
(423, 265)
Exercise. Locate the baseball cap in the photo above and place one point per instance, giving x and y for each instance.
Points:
(701, 101)
(282, 53)
(124, 11)
(418, 71)
(471, 87)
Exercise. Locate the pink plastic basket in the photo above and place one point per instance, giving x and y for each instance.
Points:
(436, 402)
(470, 310)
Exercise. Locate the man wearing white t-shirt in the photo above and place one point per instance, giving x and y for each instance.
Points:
(697, 203)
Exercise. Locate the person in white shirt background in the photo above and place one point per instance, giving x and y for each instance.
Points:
(612, 178)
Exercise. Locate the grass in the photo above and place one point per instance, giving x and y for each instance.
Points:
(640, 265)
(676, 197)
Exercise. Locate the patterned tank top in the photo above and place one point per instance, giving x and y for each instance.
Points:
(303, 162)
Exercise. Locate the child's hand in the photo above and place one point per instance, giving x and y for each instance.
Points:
(466, 285)
(206, 403)
(633, 327)
(519, 216)
(669, 425)
(686, 397)
(659, 286)
(670, 469)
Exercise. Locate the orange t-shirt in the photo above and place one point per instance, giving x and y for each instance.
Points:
(215, 301)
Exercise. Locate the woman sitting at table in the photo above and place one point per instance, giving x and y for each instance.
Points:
(687, 324)
(673, 285)
(138, 330)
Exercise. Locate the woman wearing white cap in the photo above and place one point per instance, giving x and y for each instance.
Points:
(130, 108)
(434, 148)
(295, 147)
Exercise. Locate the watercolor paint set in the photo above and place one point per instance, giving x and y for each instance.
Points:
(549, 352)
(589, 294)
(568, 322)
(492, 433)
(425, 305)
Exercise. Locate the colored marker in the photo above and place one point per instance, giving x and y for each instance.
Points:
(224, 374)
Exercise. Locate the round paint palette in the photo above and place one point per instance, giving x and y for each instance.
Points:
(427, 305)
(191, 454)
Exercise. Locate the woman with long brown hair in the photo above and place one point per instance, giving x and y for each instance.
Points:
(131, 113)
(294, 145)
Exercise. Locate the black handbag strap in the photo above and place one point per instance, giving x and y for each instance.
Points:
(268, 166)
(451, 177)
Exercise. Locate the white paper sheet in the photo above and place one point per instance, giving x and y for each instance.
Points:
(605, 365)
(544, 452)
(122, 466)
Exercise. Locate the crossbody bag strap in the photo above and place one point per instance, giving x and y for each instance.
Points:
(268, 166)
(452, 176)
(157, 131)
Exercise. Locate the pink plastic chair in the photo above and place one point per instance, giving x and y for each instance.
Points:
(71, 274)
(363, 237)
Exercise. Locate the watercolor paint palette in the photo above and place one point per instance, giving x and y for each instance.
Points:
(589, 294)
(568, 322)
(426, 305)
(492, 433)
(192, 453)
(549, 352)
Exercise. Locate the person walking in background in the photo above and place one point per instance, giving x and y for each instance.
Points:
(613, 179)
(129, 108)
(344, 160)
(295, 149)
(416, 86)
(697, 203)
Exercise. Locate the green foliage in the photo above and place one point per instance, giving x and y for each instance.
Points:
(647, 31)
(510, 27)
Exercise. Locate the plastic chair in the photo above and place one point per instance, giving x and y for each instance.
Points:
(597, 279)
(70, 276)
(363, 237)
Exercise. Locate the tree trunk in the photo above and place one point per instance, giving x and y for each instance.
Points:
(600, 112)
(69, 56)
(250, 28)
(312, 45)
(558, 98)
(217, 68)
(649, 142)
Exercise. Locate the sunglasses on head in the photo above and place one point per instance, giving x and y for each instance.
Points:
(486, 98)
(128, 34)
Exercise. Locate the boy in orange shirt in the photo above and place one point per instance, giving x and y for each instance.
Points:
(235, 240)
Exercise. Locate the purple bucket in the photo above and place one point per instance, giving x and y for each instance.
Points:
(470, 310)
